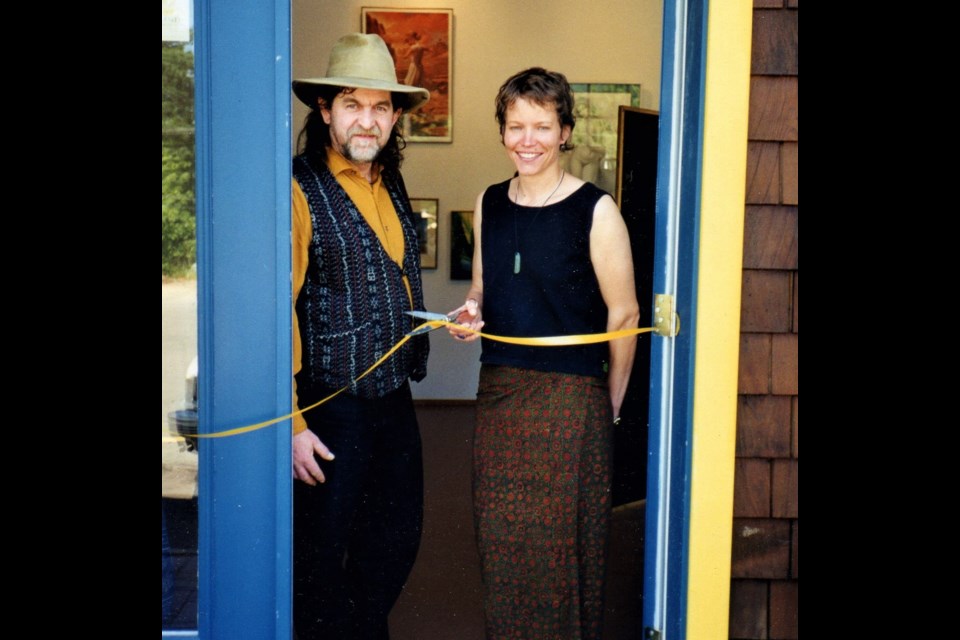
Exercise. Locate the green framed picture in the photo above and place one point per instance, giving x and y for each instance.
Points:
(597, 111)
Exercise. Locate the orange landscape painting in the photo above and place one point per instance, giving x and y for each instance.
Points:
(420, 43)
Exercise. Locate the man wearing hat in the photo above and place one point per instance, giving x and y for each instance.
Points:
(356, 269)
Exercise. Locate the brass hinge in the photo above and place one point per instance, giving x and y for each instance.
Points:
(665, 319)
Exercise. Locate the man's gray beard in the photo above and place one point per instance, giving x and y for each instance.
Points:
(349, 155)
(375, 150)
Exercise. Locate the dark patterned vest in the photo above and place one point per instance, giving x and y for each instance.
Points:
(351, 306)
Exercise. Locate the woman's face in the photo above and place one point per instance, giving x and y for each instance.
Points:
(532, 136)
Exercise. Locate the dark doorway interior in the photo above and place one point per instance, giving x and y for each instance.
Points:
(442, 598)
(637, 197)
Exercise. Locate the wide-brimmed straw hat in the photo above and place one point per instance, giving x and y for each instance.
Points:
(361, 61)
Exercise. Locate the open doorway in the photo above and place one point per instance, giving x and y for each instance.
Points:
(247, 559)
(616, 44)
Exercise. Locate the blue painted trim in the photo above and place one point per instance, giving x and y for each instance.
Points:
(283, 620)
(672, 361)
(203, 54)
(243, 247)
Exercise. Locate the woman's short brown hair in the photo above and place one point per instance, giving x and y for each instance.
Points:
(542, 87)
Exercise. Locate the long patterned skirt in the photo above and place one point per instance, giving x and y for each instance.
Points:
(541, 491)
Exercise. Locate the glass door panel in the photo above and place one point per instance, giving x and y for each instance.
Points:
(178, 381)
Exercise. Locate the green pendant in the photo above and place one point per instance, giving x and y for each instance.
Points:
(516, 262)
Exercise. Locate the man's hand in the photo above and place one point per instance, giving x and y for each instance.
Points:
(305, 467)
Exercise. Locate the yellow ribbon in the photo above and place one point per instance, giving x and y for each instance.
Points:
(549, 341)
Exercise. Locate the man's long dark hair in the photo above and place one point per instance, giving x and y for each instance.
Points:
(314, 138)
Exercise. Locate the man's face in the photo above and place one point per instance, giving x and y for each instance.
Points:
(360, 123)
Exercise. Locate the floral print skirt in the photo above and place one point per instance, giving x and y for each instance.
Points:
(541, 491)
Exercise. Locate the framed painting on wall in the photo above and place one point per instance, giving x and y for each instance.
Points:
(596, 107)
(425, 215)
(461, 245)
(421, 43)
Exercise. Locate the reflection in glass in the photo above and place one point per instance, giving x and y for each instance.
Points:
(178, 388)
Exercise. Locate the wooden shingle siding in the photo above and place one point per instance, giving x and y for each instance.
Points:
(786, 489)
(773, 108)
(751, 489)
(754, 375)
(765, 303)
(790, 172)
(748, 609)
(761, 548)
(763, 173)
(770, 238)
(764, 595)
(795, 418)
(784, 605)
(785, 364)
(775, 43)
(764, 426)
(795, 550)
(796, 302)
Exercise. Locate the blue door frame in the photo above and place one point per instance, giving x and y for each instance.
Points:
(243, 269)
(672, 359)
(243, 117)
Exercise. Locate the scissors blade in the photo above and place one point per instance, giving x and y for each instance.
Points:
(428, 315)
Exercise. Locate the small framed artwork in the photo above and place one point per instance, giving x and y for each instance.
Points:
(425, 216)
(461, 245)
(596, 107)
(421, 43)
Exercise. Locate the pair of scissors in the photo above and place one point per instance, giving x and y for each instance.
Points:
(430, 316)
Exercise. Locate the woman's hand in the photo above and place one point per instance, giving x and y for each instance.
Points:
(469, 316)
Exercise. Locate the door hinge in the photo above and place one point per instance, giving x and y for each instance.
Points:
(666, 322)
(651, 634)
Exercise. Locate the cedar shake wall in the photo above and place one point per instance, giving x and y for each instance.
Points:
(764, 593)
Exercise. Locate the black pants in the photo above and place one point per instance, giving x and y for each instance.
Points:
(356, 536)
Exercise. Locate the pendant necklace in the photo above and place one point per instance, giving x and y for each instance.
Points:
(516, 234)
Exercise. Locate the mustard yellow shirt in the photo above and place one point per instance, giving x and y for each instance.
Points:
(374, 203)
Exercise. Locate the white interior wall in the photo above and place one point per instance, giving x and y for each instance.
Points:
(596, 42)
